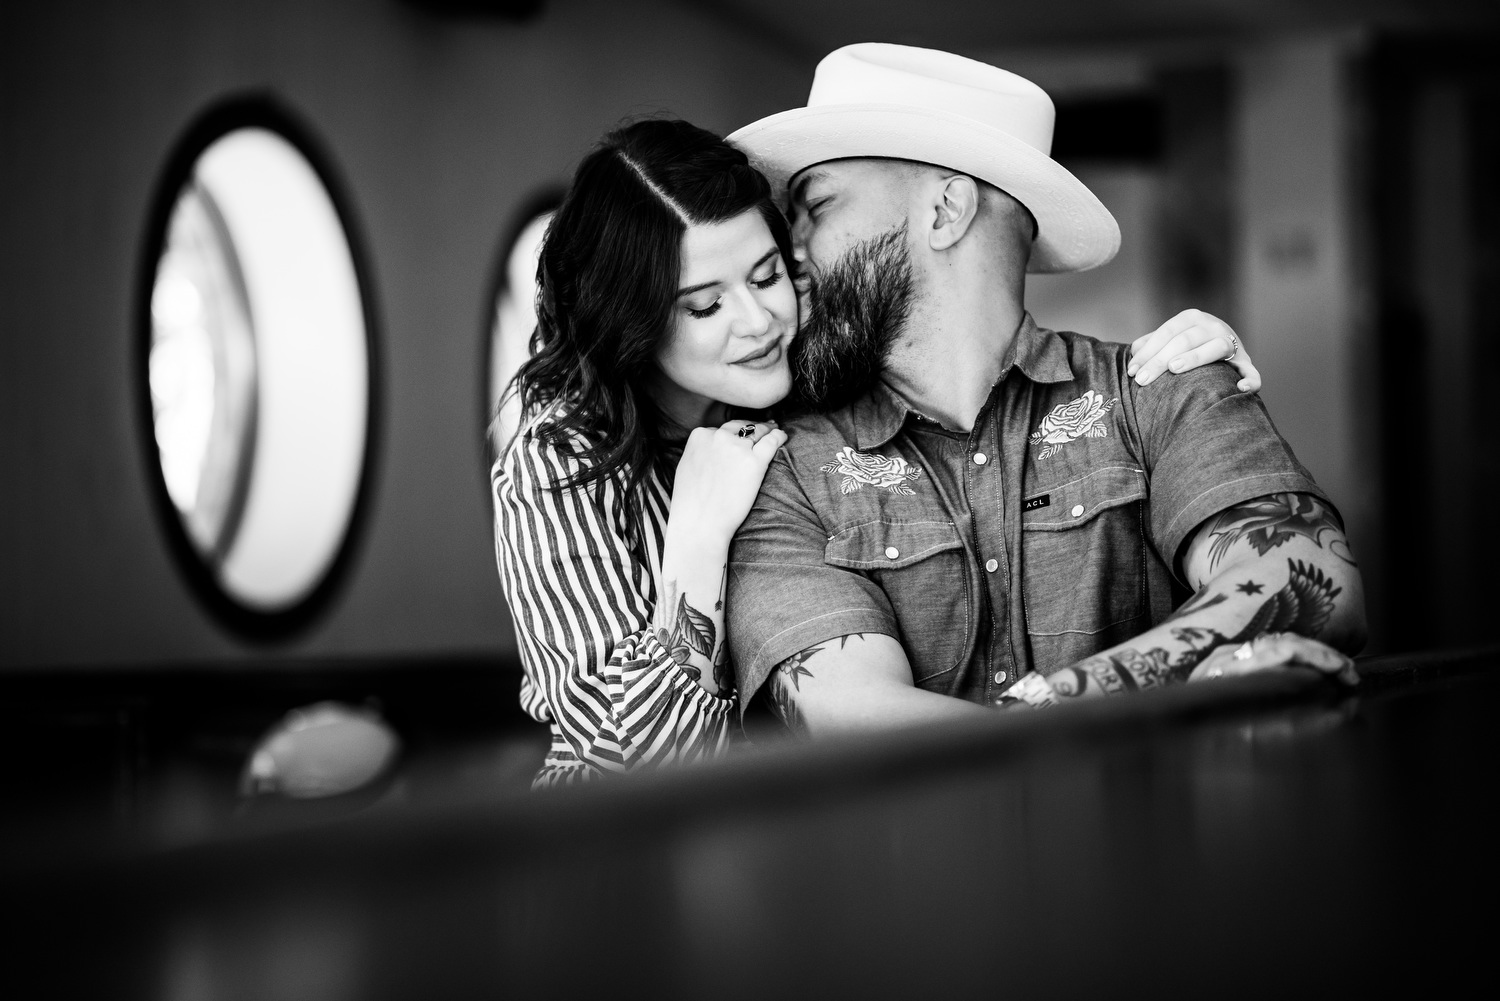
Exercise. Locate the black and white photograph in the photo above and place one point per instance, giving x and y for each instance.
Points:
(735, 500)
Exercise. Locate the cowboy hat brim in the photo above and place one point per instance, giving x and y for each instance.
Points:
(1075, 232)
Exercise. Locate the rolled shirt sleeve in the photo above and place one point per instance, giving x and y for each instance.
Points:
(782, 596)
(1207, 447)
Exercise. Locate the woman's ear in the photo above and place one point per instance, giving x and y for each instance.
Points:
(956, 204)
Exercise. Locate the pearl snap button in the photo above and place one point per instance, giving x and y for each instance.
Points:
(1077, 510)
(980, 458)
(891, 552)
(999, 677)
(992, 565)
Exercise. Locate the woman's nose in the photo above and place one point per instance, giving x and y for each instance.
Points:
(754, 318)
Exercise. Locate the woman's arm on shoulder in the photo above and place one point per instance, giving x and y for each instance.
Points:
(1190, 340)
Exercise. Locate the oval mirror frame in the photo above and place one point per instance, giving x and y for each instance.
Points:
(249, 619)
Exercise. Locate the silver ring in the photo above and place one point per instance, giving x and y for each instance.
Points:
(1234, 347)
(745, 432)
(1244, 651)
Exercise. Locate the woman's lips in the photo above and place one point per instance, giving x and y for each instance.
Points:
(764, 358)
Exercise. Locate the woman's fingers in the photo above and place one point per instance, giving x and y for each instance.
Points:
(1150, 366)
(1196, 357)
(1148, 346)
(765, 448)
(1250, 375)
(1190, 340)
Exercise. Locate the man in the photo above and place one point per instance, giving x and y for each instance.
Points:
(984, 512)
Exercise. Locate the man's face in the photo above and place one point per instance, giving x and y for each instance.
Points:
(849, 233)
(842, 202)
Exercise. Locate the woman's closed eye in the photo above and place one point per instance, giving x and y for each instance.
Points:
(704, 312)
(766, 282)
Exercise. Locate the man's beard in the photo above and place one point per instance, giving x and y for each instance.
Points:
(857, 308)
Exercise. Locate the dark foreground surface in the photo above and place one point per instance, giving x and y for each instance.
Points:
(1266, 837)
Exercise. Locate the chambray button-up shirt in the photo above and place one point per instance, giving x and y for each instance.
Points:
(1048, 533)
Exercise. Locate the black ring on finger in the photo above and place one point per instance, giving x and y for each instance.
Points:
(745, 432)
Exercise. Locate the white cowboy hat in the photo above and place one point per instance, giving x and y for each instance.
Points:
(880, 100)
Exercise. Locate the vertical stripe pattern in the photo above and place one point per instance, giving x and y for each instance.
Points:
(582, 605)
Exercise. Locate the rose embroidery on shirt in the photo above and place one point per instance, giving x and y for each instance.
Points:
(1078, 419)
(858, 468)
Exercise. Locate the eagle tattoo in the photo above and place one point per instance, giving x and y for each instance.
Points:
(1303, 606)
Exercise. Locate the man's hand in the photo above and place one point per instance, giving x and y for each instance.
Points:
(1274, 650)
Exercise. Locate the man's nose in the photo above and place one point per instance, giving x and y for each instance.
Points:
(799, 238)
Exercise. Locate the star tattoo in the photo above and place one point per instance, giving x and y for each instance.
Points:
(1250, 587)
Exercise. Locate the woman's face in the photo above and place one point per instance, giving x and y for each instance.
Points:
(734, 318)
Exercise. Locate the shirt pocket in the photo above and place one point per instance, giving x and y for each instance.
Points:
(923, 570)
(1084, 564)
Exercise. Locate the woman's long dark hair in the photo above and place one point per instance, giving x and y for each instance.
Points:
(608, 278)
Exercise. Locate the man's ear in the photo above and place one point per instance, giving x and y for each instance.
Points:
(956, 204)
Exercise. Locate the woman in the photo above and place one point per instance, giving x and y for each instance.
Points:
(665, 315)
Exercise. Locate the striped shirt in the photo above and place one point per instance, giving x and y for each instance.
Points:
(582, 604)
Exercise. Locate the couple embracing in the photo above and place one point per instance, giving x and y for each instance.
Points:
(827, 459)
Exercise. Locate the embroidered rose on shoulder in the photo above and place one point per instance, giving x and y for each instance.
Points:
(888, 472)
(1082, 418)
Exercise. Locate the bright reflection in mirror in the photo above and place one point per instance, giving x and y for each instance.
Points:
(515, 321)
(202, 372)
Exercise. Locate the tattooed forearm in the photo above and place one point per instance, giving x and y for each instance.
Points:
(688, 632)
(1304, 606)
(785, 683)
(1268, 522)
(1204, 599)
(1128, 670)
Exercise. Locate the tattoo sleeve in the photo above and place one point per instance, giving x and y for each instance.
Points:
(1268, 522)
(1303, 606)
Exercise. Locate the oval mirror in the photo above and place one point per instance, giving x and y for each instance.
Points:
(258, 367)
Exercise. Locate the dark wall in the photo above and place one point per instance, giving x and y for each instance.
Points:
(440, 129)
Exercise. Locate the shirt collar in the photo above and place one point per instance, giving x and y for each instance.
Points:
(1038, 352)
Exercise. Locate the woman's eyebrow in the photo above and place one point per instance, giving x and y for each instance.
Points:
(765, 257)
(699, 288)
(695, 288)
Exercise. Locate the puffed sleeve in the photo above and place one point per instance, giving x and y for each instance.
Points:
(582, 606)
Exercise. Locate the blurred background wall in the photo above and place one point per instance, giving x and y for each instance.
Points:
(1314, 173)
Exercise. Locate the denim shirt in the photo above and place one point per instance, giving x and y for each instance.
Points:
(1049, 532)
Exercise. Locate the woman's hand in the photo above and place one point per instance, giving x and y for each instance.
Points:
(719, 475)
(1189, 340)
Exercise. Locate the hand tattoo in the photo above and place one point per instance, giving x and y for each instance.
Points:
(1267, 522)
